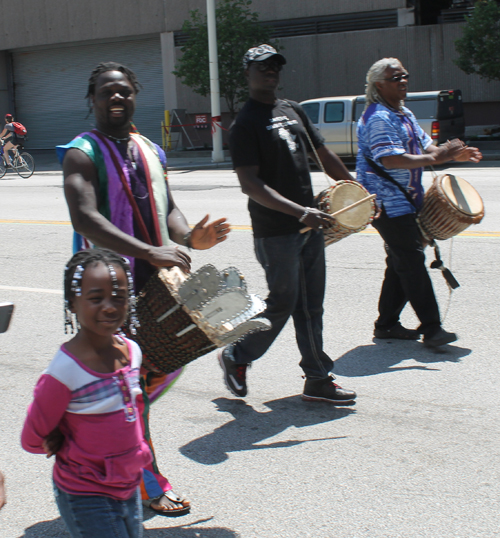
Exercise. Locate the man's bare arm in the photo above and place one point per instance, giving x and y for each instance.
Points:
(333, 165)
(434, 155)
(80, 189)
(257, 190)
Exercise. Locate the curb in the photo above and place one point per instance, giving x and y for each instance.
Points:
(195, 164)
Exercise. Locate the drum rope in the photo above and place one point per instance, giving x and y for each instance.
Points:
(451, 281)
(318, 160)
(302, 115)
(450, 289)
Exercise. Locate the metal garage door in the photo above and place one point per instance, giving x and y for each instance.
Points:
(50, 86)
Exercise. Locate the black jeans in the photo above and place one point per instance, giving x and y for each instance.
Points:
(406, 277)
(295, 273)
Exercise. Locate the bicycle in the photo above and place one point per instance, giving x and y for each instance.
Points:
(23, 163)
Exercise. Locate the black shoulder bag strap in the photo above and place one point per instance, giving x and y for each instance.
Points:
(382, 173)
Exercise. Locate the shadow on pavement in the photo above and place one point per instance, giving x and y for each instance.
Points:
(190, 531)
(383, 356)
(48, 529)
(57, 529)
(250, 427)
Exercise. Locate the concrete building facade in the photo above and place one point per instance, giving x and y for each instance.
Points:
(49, 47)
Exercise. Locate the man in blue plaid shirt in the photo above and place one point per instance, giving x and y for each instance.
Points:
(393, 150)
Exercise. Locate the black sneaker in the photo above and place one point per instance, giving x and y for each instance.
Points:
(440, 338)
(325, 390)
(234, 374)
(398, 332)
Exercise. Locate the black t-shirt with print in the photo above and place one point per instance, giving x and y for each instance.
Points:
(273, 138)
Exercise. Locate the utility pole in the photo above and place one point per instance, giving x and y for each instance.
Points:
(218, 152)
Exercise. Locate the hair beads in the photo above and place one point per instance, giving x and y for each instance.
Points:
(73, 283)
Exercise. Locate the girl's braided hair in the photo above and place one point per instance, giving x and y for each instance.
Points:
(73, 274)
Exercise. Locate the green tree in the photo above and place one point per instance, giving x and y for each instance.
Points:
(479, 47)
(237, 31)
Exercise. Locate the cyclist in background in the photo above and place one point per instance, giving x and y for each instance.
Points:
(11, 138)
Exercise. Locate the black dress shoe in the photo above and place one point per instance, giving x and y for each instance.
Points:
(397, 332)
(440, 339)
(325, 390)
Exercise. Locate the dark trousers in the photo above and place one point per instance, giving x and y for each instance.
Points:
(406, 277)
(295, 274)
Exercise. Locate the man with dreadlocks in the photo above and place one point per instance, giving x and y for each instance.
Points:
(114, 182)
(393, 150)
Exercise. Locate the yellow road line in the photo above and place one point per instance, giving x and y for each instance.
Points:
(369, 231)
(468, 233)
(17, 221)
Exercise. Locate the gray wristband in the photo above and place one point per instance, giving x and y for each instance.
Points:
(306, 212)
(187, 240)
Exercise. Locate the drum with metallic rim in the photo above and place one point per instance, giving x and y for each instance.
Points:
(340, 195)
(450, 206)
(183, 317)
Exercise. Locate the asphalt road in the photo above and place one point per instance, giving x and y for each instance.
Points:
(417, 456)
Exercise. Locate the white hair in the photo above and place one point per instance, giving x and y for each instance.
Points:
(376, 73)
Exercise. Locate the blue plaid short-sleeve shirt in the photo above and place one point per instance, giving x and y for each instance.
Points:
(383, 132)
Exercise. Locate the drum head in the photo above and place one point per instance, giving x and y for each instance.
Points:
(344, 194)
(461, 194)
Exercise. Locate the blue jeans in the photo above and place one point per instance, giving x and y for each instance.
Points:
(94, 516)
(295, 274)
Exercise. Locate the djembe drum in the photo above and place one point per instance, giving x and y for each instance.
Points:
(184, 317)
(450, 206)
(339, 196)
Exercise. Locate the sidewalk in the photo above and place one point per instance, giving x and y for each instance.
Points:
(46, 160)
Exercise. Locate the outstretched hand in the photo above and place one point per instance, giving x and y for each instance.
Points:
(204, 236)
(53, 442)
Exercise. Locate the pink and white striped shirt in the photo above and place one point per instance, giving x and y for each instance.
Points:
(103, 450)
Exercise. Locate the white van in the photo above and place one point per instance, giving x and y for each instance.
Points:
(439, 113)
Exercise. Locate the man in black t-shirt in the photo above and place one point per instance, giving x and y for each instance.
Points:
(270, 149)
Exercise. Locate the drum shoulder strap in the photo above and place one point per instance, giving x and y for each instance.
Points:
(382, 173)
(305, 121)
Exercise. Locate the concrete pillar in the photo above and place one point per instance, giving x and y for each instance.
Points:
(168, 63)
(5, 101)
(406, 16)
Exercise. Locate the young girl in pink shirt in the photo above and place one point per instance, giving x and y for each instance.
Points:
(84, 408)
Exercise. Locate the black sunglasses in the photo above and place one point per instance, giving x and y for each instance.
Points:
(398, 78)
(266, 64)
